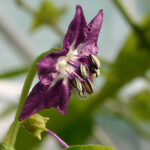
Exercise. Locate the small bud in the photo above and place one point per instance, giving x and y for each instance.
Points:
(88, 86)
(94, 61)
(5, 147)
(35, 125)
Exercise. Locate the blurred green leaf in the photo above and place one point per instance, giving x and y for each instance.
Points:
(89, 147)
(48, 13)
(140, 105)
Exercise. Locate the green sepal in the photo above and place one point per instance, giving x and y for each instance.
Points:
(35, 125)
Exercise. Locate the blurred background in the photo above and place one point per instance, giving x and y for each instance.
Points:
(118, 114)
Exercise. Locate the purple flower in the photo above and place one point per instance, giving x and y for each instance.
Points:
(72, 67)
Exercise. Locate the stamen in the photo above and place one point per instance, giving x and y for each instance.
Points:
(78, 76)
(72, 64)
(77, 84)
(94, 61)
(88, 86)
(97, 72)
(70, 76)
(83, 93)
(83, 71)
(77, 55)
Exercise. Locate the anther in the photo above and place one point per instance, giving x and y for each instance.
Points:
(77, 84)
(94, 61)
(88, 86)
(96, 73)
(83, 71)
(83, 93)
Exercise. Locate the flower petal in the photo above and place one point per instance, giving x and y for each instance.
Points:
(76, 29)
(47, 70)
(44, 96)
(94, 27)
(89, 45)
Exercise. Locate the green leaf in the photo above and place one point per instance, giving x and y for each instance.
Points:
(89, 147)
(48, 13)
(139, 105)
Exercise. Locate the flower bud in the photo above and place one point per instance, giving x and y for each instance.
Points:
(35, 125)
(5, 147)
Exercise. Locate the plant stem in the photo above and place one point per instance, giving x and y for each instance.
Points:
(12, 133)
(14, 72)
(7, 137)
(126, 15)
(138, 30)
(122, 111)
(58, 139)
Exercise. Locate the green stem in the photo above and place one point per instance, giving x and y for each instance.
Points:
(125, 14)
(138, 30)
(12, 133)
(122, 111)
(14, 72)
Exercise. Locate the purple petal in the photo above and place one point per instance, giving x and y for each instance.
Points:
(43, 96)
(47, 67)
(76, 29)
(94, 27)
(89, 45)
(83, 36)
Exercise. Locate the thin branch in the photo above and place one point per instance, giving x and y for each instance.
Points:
(101, 136)
(122, 111)
(14, 72)
(138, 30)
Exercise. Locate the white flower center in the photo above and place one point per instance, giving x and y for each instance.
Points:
(63, 65)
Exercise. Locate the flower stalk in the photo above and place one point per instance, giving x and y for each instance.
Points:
(12, 133)
(65, 145)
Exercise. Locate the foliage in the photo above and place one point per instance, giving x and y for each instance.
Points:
(48, 13)
(89, 147)
(140, 105)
